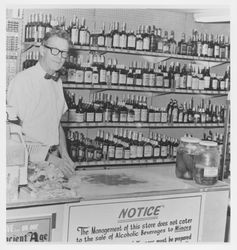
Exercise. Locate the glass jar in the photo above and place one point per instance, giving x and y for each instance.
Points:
(186, 151)
(207, 163)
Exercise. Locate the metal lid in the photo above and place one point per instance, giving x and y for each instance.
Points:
(190, 139)
(208, 143)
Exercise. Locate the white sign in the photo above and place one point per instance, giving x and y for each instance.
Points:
(174, 220)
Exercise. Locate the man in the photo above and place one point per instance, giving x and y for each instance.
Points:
(37, 97)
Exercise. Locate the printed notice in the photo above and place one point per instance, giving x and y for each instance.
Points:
(174, 220)
(29, 230)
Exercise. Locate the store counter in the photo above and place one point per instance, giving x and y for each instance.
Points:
(130, 205)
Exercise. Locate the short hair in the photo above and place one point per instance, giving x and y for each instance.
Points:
(57, 32)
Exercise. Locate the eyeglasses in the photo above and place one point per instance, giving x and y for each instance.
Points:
(55, 51)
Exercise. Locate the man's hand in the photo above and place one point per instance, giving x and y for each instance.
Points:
(66, 165)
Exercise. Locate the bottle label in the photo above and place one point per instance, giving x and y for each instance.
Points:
(130, 117)
(116, 39)
(207, 80)
(151, 117)
(74, 36)
(164, 117)
(102, 75)
(138, 82)
(108, 77)
(133, 151)
(88, 76)
(148, 151)
(157, 117)
(159, 81)
(222, 85)
(111, 151)
(89, 117)
(101, 40)
(123, 116)
(79, 117)
(129, 80)
(144, 115)
(126, 154)
(108, 41)
(123, 41)
(122, 78)
(195, 83)
(139, 45)
(98, 117)
(210, 52)
(156, 152)
(216, 51)
(210, 172)
(107, 115)
(174, 151)
(79, 76)
(180, 119)
(83, 37)
(214, 84)
(145, 79)
(114, 79)
(164, 151)
(137, 115)
(146, 43)
(201, 84)
(183, 82)
(205, 49)
(166, 83)
(119, 153)
(189, 82)
(160, 46)
(152, 80)
(71, 75)
(132, 42)
(115, 116)
(175, 115)
(177, 80)
(95, 78)
(139, 151)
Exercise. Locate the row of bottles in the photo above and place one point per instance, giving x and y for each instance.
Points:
(146, 37)
(120, 145)
(158, 75)
(39, 24)
(31, 59)
(135, 109)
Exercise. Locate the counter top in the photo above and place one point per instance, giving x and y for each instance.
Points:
(127, 183)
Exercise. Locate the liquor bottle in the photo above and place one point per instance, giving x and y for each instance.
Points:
(126, 146)
(194, 42)
(210, 50)
(163, 148)
(98, 113)
(107, 107)
(139, 40)
(138, 75)
(222, 83)
(41, 28)
(189, 46)
(169, 111)
(216, 47)
(151, 114)
(130, 77)
(222, 46)
(177, 76)
(207, 78)
(153, 43)
(105, 145)
(156, 150)
(102, 70)
(214, 82)
(131, 44)
(114, 73)
(172, 43)
(175, 111)
(137, 110)
(183, 78)
(123, 38)
(222, 113)
(88, 71)
(116, 36)
(101, 37)
(95, 72)
(189, 76)
(72, 107)
(119, 150)
(133, 146)
(109, 38)
(80, 111)
(159, 76)
(83, 33)
(201, 80)
(27, 29)
(48, 27)
(164, 115)
(190, 112)
(227, 47)
(111, 147)
(146, 39)
(227, 78)
(123, 112)
(152, 76)
(166, 76)
(109, 72)
(145, 75)
(74, 31)
(199, 44)
(182, 45)
(204, 46)
(122, 79)
(166, 48)
(208, 112)
(180, 113)
(185, 113)
(143, 104)
(140, 146)
(195, 80)
(159, 41)
(148, 149)
(81, 148)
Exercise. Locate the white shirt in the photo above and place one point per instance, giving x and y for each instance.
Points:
(39, 103)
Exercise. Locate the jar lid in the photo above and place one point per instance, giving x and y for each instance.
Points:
(190, 139)
(208, 143)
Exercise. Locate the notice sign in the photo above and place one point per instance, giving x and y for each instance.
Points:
(29, 230)
(174, 220)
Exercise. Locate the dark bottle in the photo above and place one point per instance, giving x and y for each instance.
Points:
(222, 46)
(143, 104)
(123, 38)
(185, 113)
(166, 45)
(138, 75)
(175, 111)
(83, 33)
(201, 81)
(210, 50)
(48, 26)
(166, 76)
(164, 115)
(81, 149)
(172, 43)
(74, 31)
(131, 40)
(105, 146)
(148, 149)
(163, 148)
(152, 76)
(146, 39)
(204, 46)
(79, 75)
(89, 151)
(101, 37)
(90, 113)
(227, 47)
(80, 111)
(190, 112)
(137, 110)
(216, 47)
(109, 38)
(208, 112)
(123, 112)
(109, 72)
(177, 76)
(111, 148)
(180, 113)
(183, 78)
(27, 29)
(102, 70)
(140, 146)
(114, 73)
(119, 150)
(126, 146)
(182, 45)
(41, 28)
(116, 36)
(107, 109)
(159, 78)
(189, 46)
(159, 41)
(214, 82)
(145, 75)
(199, 44)
(207, 79)
(115, 111)
(130, 77)
(88, 73)
(73, 147)
(169, 111)
(196, 115)
(153, 43)
(133, 146)
(194, 43)
(139, 40)
(122, 78)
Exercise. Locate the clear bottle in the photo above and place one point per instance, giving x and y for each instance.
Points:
(207, 163)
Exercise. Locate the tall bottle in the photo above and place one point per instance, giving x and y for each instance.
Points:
(172, 43)
(123, 38)
(146, 39)
(131, 44)
(182, 45)
(116, 36)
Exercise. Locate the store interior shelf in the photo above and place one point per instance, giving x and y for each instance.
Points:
(142, 89)
(28, 45)
(73, 124)
(117, 163)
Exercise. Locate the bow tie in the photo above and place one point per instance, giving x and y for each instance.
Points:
(53, 77)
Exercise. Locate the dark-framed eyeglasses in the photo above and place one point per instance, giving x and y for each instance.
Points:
(55, 51)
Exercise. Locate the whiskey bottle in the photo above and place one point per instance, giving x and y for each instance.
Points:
(189, 46)
(183, 78)
(119, 150)
(166, 76)
(214, 82)
(195, 80)
(159, 41)
(123, 112)
(123, 37)
(131, 113)
(152, 76)
(177, 76)
(182, 45)
(107, 108)
(79, 75)
(222, 46)
(133, 145)
(111, 148)
(163, 148)
(180, 113)
(126, 146)
(166, 45)
(172, 43)
(114, 73)
(80, 111)
(131, 40)
(164, 115)
(72, 107)
(140, 146)
(189, 76)
(204, 46)
(83, 33)
(201, 80)
(169, 111)
(122, 78)
(139, 40)
(74, 31)
(153, 43)
(138, 75)
(115, 111)
(210, 50)
(146, 39)
(81, 148)
(227, 47)
(175, 111)
(148, 149)
(199, 44)
(216, 47)
(207, 79)
(145, 75)
(137, 110)
(105, 146)
(88, 73)
(143, 104)
(116, 36)
(130, 77)
(109, 38)
(41, 27)
(151, 114)
(101, 37)
(194, 42)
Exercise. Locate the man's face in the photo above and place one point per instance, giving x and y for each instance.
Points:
(52, 62)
